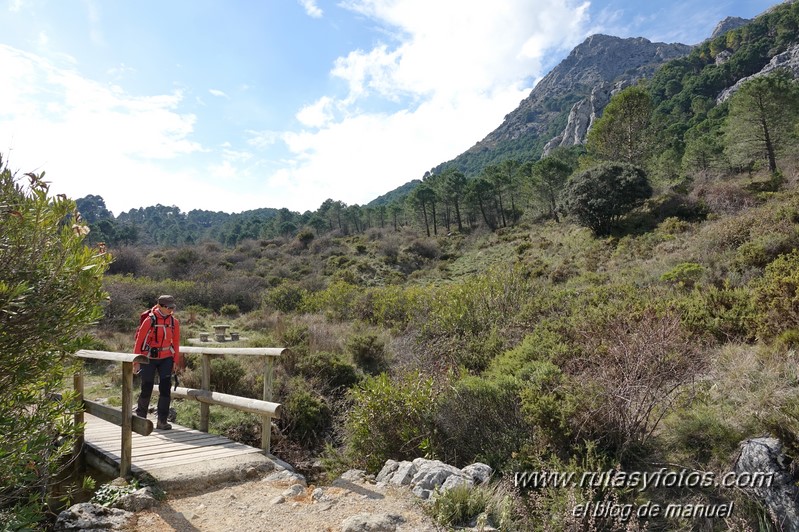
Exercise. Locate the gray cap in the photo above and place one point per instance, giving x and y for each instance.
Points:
(167, 301)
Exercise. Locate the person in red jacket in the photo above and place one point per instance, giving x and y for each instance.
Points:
(158, 338)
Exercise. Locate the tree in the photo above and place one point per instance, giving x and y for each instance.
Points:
(763, 114)
(601, 195)
(424, 197)
(50, 290)
(621, 133)
(454, 187)
(549, 175)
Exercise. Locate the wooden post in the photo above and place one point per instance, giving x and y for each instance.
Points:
(127, 412)
(206, 385)
(77, 381)
(266, 421)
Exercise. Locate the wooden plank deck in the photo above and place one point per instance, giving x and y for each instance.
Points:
(164, 451)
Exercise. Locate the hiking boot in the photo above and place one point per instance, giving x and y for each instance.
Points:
(163, 425)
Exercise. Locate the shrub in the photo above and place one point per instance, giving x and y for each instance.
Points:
(389, 420)
(306, 415)
(230, 310)
(459, 506)
(548, 403)
(330, 370)
(684, 274)
(701, 437)
(601, 195)
(285, 297)
(226, 375)
(50, 290)
(726, 313)
(636, 367)
(368, 352)
(480, 420)
(776, 296)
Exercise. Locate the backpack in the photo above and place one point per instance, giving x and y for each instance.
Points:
(149, 314)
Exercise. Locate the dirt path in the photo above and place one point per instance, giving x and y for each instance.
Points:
(265, 506)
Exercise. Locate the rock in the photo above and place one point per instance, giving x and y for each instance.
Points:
(280, 465)
(285, 476)
(88, 516)
(431, 474)
(295, 490)
(371, 523)
(277, 500)
(137, 501)
(388, 470)
(789, 60)
(453, 481)
(404, 474)
(479, 472)
(764, 456)
(353, 475)
(318, 495)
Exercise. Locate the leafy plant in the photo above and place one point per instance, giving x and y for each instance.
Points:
(50, 291)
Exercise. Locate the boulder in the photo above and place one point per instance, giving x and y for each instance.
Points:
(479, 472)
(285, 477)
(780, 495)
(431, 474)
(371, 523)
(137, 501)
(87, 516)
(404, 474)
(388, 470)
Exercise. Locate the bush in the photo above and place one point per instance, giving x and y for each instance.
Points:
(727, 313)
(368, 352)
(601, 195)
(226, 375)
(684, 274)
(480, 420)
(459, 505)
(328, 369)
(50, 290)
(306, 415)
(776, 296)
(389, 420)
(230, 310)
(285, 297)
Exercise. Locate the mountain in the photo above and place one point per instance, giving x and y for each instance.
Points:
(562, 105)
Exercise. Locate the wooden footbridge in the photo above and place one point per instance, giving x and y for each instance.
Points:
(121, 444)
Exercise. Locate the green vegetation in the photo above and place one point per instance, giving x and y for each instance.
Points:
(50, 292)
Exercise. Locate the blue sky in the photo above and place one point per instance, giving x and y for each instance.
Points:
(237, 105)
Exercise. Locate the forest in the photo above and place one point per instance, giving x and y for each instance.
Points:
(622, 305)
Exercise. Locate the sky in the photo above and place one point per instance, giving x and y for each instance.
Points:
(243, 104)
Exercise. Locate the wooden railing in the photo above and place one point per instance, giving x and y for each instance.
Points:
(132, 423)
(265, 408)
(124, 416)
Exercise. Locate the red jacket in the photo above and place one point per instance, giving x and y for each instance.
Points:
(162, 332)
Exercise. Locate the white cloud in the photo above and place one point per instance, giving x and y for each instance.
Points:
(262, 139)
(311, 8)
(95, 139)
(15, 6)
(218, 93)
(455, 69)
(317, 114)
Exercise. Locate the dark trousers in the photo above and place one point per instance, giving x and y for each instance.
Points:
(163, 366)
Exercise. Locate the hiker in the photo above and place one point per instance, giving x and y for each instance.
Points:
(158, 337)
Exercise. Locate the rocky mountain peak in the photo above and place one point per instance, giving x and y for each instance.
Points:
(583, 83)
(729, 23)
